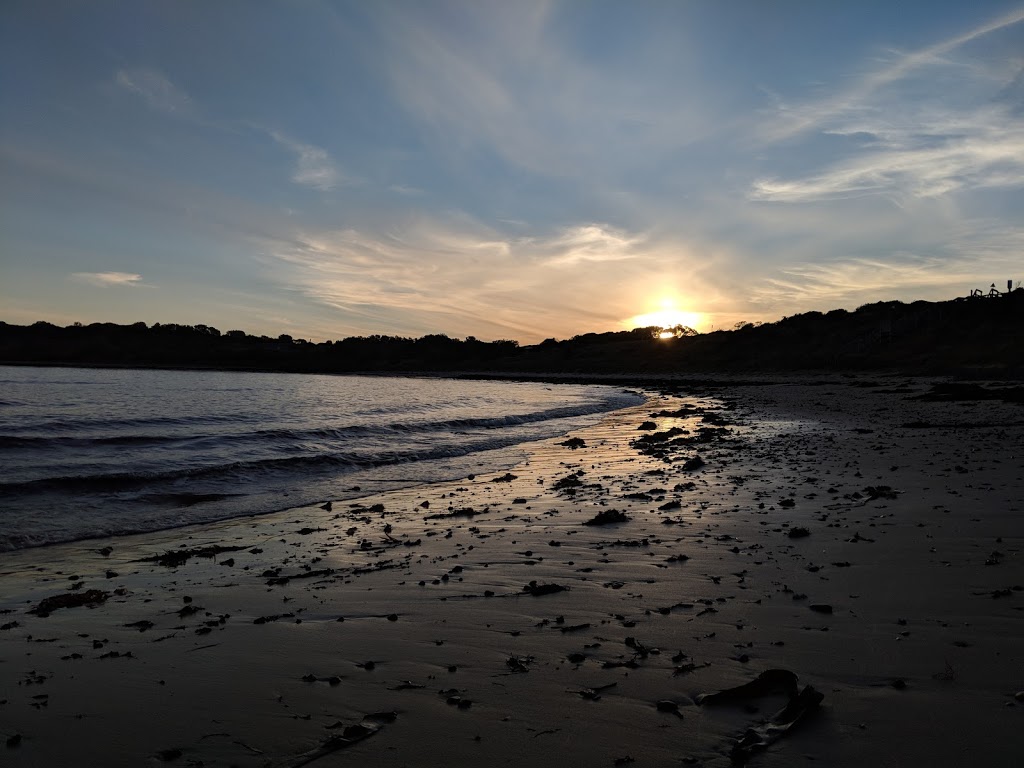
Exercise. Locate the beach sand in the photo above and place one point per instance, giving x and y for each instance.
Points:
(401, 630)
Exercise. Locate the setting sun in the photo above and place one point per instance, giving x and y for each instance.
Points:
(668, 316)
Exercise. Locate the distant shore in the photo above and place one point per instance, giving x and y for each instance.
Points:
(867, 541)
(980, 338)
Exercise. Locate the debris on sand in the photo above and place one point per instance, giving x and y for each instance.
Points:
(657, 438)
(667, 705)
(607, 517)
(695, 462)
(593, 694)
(768, 682)
(537, 590)
(574, 443)
(798, 532)
(175, 557)
(519, 663)
(778, 725)
(569, 484)
(351, 734)
(508, 477)
(465, 512)
(880, 492)
(69, 600)
(756, 739)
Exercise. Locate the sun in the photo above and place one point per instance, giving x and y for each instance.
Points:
(669, 316)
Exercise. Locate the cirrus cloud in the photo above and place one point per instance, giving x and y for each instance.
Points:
(108, 279)
(314, 166)
(159, 92)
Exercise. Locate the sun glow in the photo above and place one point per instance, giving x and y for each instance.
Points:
(668, 317)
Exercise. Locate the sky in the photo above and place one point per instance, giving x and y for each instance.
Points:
(506, 170)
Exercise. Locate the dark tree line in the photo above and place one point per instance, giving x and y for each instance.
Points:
(918, 337)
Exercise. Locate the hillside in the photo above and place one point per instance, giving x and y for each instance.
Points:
(978, 334)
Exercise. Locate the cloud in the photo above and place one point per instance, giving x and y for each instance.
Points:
(405, 189)
(504, 79)
(981, 253)
(108, 279)
(590, 243)
(455, 275)
(931, 123)
(984, 156)
(314, 166)
(159, 92)
(805, 117)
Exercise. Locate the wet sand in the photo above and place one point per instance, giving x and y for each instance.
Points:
(868, 542)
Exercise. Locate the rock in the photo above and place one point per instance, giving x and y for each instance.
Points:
(693, 463)
(176, 557)
(69, 600)
(607, 517)
(537, 590)
(667, 705)
(769, 681)
(756, 739)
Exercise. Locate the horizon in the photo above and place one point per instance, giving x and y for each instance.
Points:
(659, 331)
(538, 171)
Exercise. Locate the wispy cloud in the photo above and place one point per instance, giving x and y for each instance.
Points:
(159, 92)
(314, 166)
(983, 150)
(793, 120)
(970, 260)
(517, 88)
(591, 242)
(108, 279)
(933, 122)
(458, 276)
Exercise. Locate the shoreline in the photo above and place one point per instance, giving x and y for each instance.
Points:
(366, 459)
(697, 592)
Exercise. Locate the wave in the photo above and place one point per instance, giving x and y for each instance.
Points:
(105, 422)
(286, 435)
(146, 463)
(339, 461)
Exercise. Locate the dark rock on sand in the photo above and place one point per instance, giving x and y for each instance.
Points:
(607, 517)
(769, 681)
(756, 739)
(537, 590)
(176, 557)
(69, 600)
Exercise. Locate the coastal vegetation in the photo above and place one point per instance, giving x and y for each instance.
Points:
(920, 337)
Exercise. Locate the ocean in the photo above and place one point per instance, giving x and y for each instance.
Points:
(89, 453)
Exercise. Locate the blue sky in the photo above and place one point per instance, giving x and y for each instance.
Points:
(503, 169)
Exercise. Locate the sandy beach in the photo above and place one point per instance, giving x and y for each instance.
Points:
(837, 528)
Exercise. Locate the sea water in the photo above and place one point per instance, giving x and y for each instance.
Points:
(96, 452)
